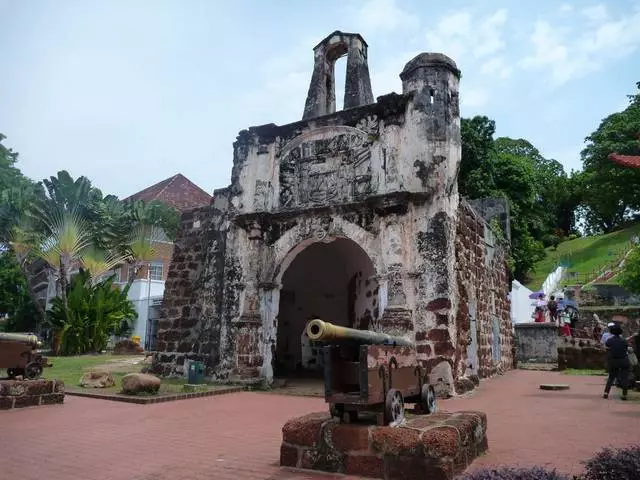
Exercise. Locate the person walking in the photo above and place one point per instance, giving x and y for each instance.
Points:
(552, 307)
(618, 361)
(540, 308)
(607, 333)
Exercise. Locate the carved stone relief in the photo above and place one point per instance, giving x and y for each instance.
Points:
(261, 195)
(328, 165)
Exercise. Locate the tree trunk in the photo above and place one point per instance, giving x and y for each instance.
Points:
(132, 270)
(31, 291)
(64, 283)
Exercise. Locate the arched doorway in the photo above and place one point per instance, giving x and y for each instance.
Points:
(331, 280)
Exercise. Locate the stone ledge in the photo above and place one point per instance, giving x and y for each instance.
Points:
(437, 446)
(30, 393)
(117, 397)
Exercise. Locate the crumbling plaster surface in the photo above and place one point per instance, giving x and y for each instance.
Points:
(382, 175)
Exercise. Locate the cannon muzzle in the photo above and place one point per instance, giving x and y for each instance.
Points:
(321, 331)
(28, 338)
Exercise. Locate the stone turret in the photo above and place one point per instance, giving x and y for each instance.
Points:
(321, 99)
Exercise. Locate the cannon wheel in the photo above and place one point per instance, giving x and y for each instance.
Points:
(14, 372)
(394, 407)
(32, 371)
(336, 410)
(428, 399)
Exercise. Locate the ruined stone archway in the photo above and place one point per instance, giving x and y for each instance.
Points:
(333, 280)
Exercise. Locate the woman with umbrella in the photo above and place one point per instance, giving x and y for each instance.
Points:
(540, 306)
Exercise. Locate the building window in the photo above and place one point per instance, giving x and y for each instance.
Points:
(115, 272)
(155, 272)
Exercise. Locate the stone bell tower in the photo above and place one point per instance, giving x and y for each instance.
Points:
(321, 99)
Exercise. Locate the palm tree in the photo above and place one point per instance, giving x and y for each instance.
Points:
(66, 239)
(141, 247)
(21, 240)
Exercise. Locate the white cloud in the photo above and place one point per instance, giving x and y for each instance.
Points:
(568, 55)
(565, 7)
(384, 15)
(472, 98)
(459, 33)
(596, 13)
(496, 67)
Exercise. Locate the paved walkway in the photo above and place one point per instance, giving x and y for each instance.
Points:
(237, 436)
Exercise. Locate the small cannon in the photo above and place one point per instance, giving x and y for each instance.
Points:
(370, 372)
(20, 356)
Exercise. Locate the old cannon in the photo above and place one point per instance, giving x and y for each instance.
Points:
(370, 372)
(19, 354)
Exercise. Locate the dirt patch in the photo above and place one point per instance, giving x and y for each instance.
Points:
(123, 364)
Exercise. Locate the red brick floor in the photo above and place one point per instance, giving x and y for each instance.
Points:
(237, 436)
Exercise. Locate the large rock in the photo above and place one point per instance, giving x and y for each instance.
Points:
(97, 380)
(135, 383)
(127, 347)
(441, 377)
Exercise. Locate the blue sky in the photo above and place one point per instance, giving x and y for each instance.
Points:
(129, 92)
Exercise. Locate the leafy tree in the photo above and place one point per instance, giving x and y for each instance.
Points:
(476, 177)
(611, 191)
(542, 197)
(630, 274)
(15, 302)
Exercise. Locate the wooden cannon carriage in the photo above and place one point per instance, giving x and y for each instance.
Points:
(371, 372)
(19, 354)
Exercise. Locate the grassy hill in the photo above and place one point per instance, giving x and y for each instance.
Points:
(584, 257)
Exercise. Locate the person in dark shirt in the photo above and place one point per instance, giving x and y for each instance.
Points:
(552, 306)
(618, 361)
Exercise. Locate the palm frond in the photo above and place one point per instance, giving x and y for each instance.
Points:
(142, 242)
(98, 262)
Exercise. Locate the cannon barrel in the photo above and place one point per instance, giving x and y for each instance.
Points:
(28, 338)
(321, 331)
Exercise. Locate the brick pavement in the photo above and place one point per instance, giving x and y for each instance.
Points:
(237, 436)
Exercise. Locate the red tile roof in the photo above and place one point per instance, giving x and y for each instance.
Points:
(177, 191)
(630, 161)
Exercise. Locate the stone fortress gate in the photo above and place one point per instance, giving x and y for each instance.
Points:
(350, 216)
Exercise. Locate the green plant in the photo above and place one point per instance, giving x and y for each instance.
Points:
(90, 314)
(629, 277)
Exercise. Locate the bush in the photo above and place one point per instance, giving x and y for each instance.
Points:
(614, 464)
(90, 314)
(551, 241)
(510, 473)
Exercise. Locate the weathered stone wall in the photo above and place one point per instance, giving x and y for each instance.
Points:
(605, 295)
(30, 393)
(627, 316)
(483, 322)
(376, 182)
(190, 326)
(536, 342)
(581, 354)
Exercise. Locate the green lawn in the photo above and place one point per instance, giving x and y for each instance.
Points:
(584, 372)
(71, 369)
(584, 255)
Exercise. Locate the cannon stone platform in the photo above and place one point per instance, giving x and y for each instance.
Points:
(437, 446)
(30, 393)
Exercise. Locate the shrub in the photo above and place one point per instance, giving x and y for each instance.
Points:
(614, 464)
(510, 473)
(90, 314)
